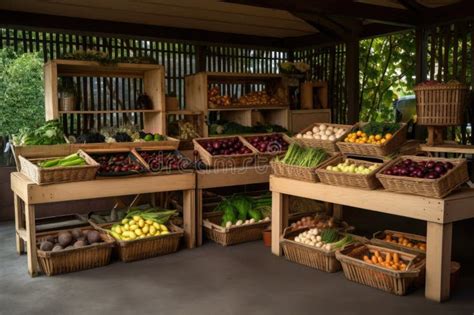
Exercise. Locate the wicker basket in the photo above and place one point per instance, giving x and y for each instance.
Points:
(379, 239)
(224, 161)
(134, 156)
(307, 255)
(436, 188)
(392, 281)
(363, 181)
(235, 234)
(54, 175)
(440, 104)
(307, 174)
(329, 146)
(71, 260)
(373, 150)
(264, 158)
(148, 247)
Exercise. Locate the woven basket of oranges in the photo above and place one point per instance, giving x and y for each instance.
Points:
(374, 139)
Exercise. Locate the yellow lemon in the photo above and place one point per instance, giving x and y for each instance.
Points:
(138, 232)
(118, 230)
(158, 233)
(152, 229)
(133, 227)
(141, 223)
(149, 222)
(145, 229)
(124, 221)
(165, 232)
(163, 227)
(126, 227)
(156, 225)
(136, 218)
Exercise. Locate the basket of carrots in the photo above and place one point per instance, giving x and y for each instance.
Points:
(382, 268)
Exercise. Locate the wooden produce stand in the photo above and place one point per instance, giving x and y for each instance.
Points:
(197, 86)
(226, 177)
(153, 77)
(438, 213)
(30, 194)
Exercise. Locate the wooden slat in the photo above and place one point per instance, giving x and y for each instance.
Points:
(232, 177)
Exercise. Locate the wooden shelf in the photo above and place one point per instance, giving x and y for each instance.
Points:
(92, 112)
(248, 108)
(183, 112)
(78, 68)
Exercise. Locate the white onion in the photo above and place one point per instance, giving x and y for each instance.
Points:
(315, 129)
(324, 137)
(322, 127)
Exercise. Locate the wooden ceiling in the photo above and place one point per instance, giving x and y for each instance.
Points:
(265, 22)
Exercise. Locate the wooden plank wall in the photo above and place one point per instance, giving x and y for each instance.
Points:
(178, 58)
(328, 63)
(449, 57)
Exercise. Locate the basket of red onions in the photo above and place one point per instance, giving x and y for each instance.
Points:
(225, 152)
(421, 175)
(268, 145)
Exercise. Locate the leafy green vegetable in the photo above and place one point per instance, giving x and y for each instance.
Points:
(329, 236)
(255, 214)
(382, 128)
(49, 133)
(243, 204)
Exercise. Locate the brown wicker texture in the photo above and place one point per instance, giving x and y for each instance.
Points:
(263, 158)
(224, 161)
(76, 259)
(373, 150)
(379, 239)
(436, 188)
(329, 146)
(363, 181)
(54, 175)
(307, 174)
(148, 247)
(392, 281)
(440, 104)
(235, 234)
(307, 255)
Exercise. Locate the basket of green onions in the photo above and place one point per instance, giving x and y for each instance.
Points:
(299, 163)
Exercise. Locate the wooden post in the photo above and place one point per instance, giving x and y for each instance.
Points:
(279, 220)
(199, 204)
(438, 261)
(352, 78)
(337, 211)
(31, 242)
(421, 54)
(189, 217)
(19, 225)
(201, 58)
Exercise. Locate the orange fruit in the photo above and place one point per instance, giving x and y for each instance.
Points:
(388, 136)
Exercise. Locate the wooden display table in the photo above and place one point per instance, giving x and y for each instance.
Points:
(214, 178)
(32, 194)
(438, 213)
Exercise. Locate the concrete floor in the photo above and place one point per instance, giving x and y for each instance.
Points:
(243, 279)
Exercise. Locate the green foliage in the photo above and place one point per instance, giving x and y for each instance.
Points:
(387, 71)
(21, 91)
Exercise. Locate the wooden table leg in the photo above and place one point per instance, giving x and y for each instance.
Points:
(189, 217)
(31, 242)
(337, 211)
(438, 261)
(198, 217)
(279, 220)
(19, 225)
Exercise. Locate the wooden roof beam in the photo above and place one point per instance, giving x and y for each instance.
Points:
(324, 24)
(413, 6)
(384, 15)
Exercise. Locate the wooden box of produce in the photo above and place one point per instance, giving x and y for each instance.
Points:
(314, 247)
(405, 242)
(158, 161)
(75, 167)
(343, 171)
(268, 145)
(324, 136)
(417, 175)
(440, 104)
(374, 139)
(119, 163)
(299, 163)
(69, 251)
(381, 268)
(144, 233)
(242, 219)
(225, 152)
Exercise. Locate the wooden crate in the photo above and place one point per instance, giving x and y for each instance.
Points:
(225, 161)
(379, 239)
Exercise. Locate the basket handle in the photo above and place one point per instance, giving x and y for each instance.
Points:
(95, 226)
